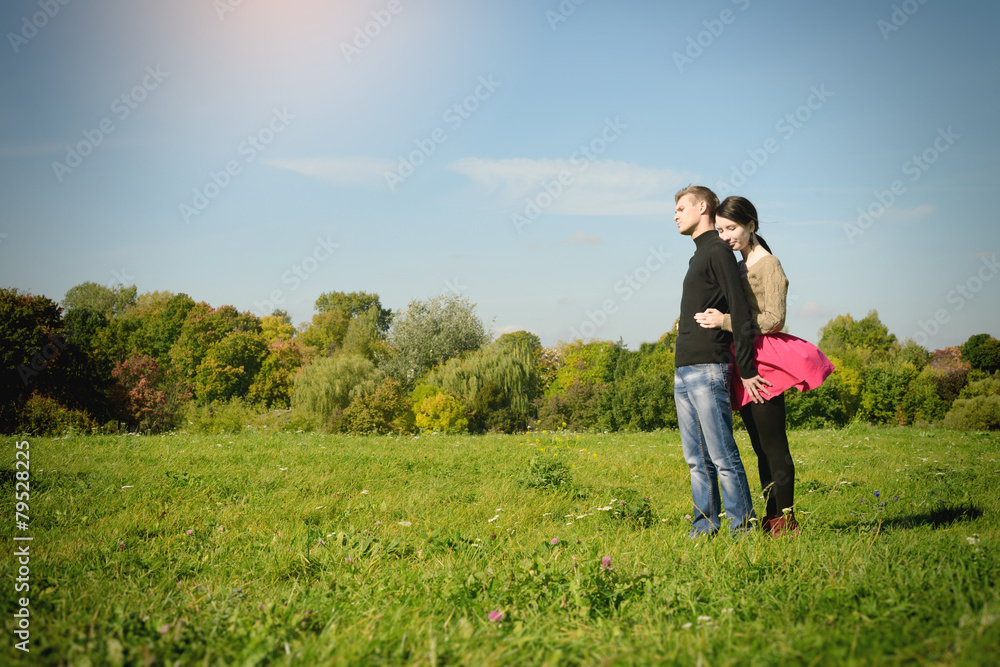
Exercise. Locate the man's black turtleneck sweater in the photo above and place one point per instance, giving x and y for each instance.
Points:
(713, 281)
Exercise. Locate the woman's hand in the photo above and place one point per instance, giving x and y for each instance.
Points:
(710, 319)
(755, 387)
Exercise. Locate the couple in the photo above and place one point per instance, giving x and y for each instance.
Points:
(732, 315)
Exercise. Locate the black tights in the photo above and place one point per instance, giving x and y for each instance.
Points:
(766, 425)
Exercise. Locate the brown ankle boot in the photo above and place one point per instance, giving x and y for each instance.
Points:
(785, 525)
(766, 522)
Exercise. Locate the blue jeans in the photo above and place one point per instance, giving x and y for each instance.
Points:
(705, 418)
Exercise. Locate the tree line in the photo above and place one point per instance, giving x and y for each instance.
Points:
(107, 359)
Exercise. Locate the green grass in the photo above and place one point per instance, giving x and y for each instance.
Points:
(319, 549)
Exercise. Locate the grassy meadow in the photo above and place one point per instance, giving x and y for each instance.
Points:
(542, 548)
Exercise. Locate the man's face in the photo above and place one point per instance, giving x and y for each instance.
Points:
(687, 214)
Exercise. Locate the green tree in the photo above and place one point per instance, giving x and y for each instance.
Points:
(844, 333)
(41, 355)
(822, 407)
(276, 328)
(384, 410)
(640, 396)
(272, 387)
(353, 304)
(119, 339)
(109, 301)
(203, 327)
(587, 363)
(32, 340)
(325, 332)
(437, 410)
(324, 388)
(431, 332)
(914, 353)
(162, 321)
(364, 336)
(884, 386)
(83, 325)
(978, 407)
(577, 408)
(922, 402)
(982, 352)
(499, 382)
(230, 367)
(950, 373)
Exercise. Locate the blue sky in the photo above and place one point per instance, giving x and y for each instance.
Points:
(522, 154)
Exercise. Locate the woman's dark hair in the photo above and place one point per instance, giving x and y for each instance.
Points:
(742, 212)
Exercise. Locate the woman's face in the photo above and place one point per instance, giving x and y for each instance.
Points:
(733, 233)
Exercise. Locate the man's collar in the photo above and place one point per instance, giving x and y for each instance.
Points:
(705, 237)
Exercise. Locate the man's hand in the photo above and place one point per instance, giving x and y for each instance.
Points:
(755, 387)
(710, 319)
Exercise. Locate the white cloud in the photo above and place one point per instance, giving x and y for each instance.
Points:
(352, 171)
(916, 213)
(595, 188)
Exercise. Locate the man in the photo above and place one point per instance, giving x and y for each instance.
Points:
(704, 359)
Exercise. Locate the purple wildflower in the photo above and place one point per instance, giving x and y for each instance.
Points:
(190, 532)
(876, 494)
(606, 563)
(555, 541)
(496, 616)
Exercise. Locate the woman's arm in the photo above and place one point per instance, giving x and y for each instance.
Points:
(770, 292)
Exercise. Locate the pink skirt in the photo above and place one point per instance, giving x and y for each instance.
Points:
(785, 361)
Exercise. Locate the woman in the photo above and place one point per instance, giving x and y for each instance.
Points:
(782, 360)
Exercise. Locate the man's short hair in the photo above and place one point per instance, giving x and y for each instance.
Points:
(700, 193)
